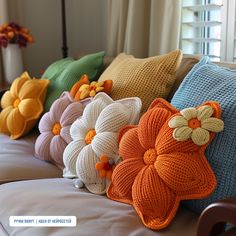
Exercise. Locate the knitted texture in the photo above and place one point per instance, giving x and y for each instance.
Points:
(158, 171)
(92, 154)
(22, 105)
(83, 88)
(207, 81)
(54, 128)
(63, 74)
(146, 78)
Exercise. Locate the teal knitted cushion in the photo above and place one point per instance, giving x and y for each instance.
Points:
(207, 81)
(64, 73)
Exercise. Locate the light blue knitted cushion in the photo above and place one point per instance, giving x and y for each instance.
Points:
(207, 81)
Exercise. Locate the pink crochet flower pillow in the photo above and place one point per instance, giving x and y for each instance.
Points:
(54, 127)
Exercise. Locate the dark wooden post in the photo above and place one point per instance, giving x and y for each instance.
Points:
(64, 36)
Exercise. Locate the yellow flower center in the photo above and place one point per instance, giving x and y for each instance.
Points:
(194, 123)
(150, 156)
(16, 103)
(56, 129)
(89, 136)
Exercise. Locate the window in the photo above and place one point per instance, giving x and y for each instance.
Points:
(208, 28)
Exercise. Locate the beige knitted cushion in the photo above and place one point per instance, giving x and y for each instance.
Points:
(146, 78)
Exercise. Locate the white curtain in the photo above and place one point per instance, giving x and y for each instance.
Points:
(3, 19)
(143, 27)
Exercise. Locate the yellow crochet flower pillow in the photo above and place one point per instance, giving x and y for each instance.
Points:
(22, 105)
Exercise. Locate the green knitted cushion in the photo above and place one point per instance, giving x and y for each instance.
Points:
(64, 73)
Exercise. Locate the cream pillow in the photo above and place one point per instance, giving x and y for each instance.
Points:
(146, 78)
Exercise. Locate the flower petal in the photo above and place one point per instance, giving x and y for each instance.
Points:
(165, 143)
(57, 148)
(177, 122)
(150, 125)
(85, 168)
(130, 146)
(200, 136)
(30, 108)
(58, 107)
(45, 123)
(71, 113)
(42, 146)
(204, 112)
(65, 134)
(189, 113)
(18, 83)
(155, 203)
(7, 99)
(33, 88)
(105, 144)
(92, 112)
(213, 124)
(187, 175)
(112, 118)
(182, 133)
(16, 123)
(123, 178)
(78, 129)
(3, 119)
(70, 156)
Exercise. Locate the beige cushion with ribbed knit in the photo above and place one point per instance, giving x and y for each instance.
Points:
(146, 78)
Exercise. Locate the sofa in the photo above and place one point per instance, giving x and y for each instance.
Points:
(32, 187)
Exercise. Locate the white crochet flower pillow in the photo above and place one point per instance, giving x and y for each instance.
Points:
(93, 153)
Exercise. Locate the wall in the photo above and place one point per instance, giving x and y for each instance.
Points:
(86, 29)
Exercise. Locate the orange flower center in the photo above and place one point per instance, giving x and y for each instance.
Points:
(194, 123)
(16, 103)
(92, 87)
(89, 136)
(150, 156)
(56, 129)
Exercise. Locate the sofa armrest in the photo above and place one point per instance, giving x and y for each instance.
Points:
(213, 219)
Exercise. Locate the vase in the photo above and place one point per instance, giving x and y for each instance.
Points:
(12, 62)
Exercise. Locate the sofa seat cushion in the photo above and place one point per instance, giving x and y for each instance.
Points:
(96, 215)
(18, 161)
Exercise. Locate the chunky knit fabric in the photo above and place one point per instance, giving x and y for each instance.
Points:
(158, 171)
(207, 81)
(146, 78)
(54, 128)
(93, 153)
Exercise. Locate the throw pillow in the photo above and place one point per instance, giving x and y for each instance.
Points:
(64, 73)
(207, 81)
(164, 162)
(22, 105)
(92, 154)
(54, 128)
(146, 78)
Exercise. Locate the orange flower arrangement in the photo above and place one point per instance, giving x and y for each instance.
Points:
(14, 34)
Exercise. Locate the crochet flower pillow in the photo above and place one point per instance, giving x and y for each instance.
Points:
(164, 161)
(54, 128)
(92, 154)
(83, 88)
(22, 105)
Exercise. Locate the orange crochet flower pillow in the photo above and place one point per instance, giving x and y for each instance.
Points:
(84, 89)
(22, 105)
(164, 162)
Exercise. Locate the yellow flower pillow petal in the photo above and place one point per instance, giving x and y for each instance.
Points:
(22, 105)
(146, 78)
